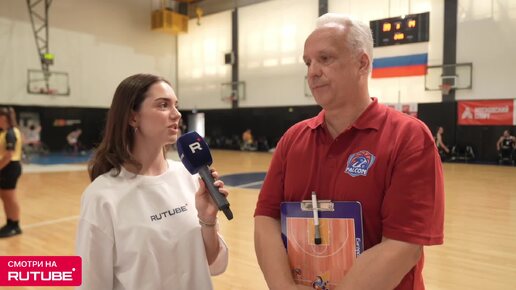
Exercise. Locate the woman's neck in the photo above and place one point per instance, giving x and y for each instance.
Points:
(152, 160)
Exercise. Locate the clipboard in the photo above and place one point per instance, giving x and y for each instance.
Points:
(322, 266)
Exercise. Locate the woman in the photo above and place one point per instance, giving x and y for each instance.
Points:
(145, 222)
(10, 171)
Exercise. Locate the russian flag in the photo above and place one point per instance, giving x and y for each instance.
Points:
(400, 66)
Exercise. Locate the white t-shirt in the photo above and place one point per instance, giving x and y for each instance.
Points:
(142, 232)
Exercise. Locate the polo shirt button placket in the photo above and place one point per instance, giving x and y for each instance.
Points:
(332, 157)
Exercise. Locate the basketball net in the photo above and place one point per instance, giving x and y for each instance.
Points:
(52, 92)
(229, 99)
(445, 89)
(45, 91)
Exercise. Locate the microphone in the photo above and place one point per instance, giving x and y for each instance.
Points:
(196, 157)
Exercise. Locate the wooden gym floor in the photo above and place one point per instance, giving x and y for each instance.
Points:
(480, 228)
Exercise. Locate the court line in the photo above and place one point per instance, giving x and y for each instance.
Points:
(295, 241)
(249, 184)
(51, 222)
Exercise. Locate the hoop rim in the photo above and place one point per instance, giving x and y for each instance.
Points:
(228, 99)
(445, 88)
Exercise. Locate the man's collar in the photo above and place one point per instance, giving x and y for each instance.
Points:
(317, 121)
(371, 118)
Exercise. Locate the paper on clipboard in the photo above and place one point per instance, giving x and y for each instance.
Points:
(322, 266)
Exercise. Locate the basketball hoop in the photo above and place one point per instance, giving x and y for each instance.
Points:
(48, 83)
(49, 91)
(228, 99)
(445, 89)
(52, 92)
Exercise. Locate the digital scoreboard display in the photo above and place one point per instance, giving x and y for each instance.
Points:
(399, 30)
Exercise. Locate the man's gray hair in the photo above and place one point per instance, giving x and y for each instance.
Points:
(360, 38)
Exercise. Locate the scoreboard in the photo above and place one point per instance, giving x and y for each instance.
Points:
(400, 30)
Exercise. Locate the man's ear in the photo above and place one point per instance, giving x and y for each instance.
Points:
(365, 62)
(133, 119)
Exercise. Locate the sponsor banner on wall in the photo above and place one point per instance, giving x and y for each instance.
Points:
(65, 122)
(407, 108)
(492, 112)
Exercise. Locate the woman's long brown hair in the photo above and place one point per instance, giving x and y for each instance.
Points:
(115, 148)
(10, 115)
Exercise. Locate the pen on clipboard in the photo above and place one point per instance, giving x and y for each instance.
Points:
(317, 231)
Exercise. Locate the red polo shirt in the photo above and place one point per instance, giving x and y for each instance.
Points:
(386, 160)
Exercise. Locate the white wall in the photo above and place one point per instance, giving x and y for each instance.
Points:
(97, 42)
(101, 42)
(271, 40)
(272, 36)
(201, 62)
(486, 37)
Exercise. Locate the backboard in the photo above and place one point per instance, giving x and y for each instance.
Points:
(232, 90)
(47, 83)
(459, 76)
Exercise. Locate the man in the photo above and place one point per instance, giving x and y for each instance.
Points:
(400, 187)
(441, 147)
(73, 139)
(506, 141)
(506, 144)
(248, 142)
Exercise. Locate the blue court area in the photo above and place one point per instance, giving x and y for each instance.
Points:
(59, 158)
(252, 180)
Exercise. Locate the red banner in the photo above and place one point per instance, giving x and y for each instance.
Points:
(40, 271)
(492, 112)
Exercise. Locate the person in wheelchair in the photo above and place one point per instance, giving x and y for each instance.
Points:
(506, 145)
(74, 144)
(32, 141)
(248, 142)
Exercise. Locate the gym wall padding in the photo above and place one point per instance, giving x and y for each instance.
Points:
(57, 122)
(268, 123)
(481, 138)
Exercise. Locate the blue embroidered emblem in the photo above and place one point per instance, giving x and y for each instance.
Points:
(359, 163)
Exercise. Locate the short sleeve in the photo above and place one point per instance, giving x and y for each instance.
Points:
(271, 194)
(413, 207)
(95, 239)
(97, 252)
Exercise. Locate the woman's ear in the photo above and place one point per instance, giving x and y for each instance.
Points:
(133, 119)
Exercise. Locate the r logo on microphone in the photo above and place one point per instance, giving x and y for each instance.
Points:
(195, 155)
(195, 146)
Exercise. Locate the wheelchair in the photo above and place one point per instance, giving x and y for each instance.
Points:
(463, 153)
(506, 156)
(30, 150)
(443, 155)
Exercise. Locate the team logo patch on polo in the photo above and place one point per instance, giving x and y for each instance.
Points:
(359, 163)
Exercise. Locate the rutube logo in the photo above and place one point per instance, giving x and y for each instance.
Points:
(40, 271)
